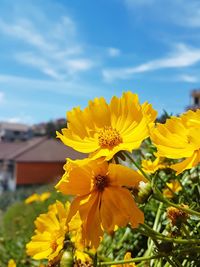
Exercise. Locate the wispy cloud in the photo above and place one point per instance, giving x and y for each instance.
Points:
(188, 78)
(57, 53)
(113, 52)
(2, 95)
(73, 88)
(181, 56)
(180, 12)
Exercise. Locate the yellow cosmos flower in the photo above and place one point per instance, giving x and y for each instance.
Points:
(44, 196)
(104, 129)
(32, 198)
(101, 197)
(152, 166)
(126, 257)
(173, 187)
(50, 233)
(179, 138)
(11, 263)
(82, 257)
(35, 197)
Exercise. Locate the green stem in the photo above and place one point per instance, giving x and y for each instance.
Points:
(155, 235)
(131, 260)
(155, 226)
(185, 230)
(137, 166)
(171, 262)
(187, 250)
(177, 262)
(160, 197)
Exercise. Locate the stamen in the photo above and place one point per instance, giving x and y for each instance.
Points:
(54, 245)
(101, 182)
(109, 137)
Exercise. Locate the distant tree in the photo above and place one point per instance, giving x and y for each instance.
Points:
(164, 117)
(53, 126)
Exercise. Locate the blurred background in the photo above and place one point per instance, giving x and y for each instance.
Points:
(57, 54)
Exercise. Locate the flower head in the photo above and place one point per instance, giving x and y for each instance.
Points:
(33, 198)
(173, 187)
(37, 198)
(179, 138)
(101, 197)
(50, 232)
(104, 129)
(11, 263)
(49, 235)
(177, 216)
(152, 166)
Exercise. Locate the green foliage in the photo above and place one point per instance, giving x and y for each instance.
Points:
(17, 227)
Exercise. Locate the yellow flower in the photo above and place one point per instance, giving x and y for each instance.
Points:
(11, 263)
(32, 198)
(81, 257)
(152, 166)
(126, 257)
(50, 233)
(179, 138)
(101, 197)
(174, 186)
(104, 129)
(44, 196)
(35, 197)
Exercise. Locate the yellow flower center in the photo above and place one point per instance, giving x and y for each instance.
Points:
(109, 137)
(101, 182)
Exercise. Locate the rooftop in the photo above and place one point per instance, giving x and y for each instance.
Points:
(40, 149)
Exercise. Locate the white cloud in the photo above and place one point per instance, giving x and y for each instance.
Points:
(80, 64)
(56, 53)
(180, 12)
(188, 78)
(65, 88)
(182, 56)
(2, 96)
(113, 52)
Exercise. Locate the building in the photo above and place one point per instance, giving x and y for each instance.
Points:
(10, 132)
(195, 100)
(36, 161)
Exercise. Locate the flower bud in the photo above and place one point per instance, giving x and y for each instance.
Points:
(144, 193)
(66, 259)
(176, 216)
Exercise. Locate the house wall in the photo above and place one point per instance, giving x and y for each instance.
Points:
(37, 172)
(15, 135)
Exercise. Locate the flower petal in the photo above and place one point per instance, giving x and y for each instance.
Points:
(125, 176)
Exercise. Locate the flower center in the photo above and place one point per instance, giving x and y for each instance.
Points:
(109, 137)
(101, 182)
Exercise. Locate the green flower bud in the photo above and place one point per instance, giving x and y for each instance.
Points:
(67, 259)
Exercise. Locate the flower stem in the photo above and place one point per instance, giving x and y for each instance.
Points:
(137, 166)
(155, 227)
(160, 197)
(172, 264)
(131, 260)
(153, 234)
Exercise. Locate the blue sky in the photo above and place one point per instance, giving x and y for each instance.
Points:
(57, 54)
